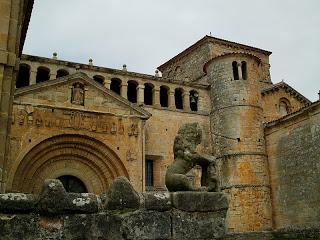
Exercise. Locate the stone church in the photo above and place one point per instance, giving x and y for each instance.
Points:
(87, 124)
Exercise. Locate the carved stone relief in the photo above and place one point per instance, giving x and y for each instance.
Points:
(77, 120)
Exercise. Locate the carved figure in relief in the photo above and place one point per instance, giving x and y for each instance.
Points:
(133, 130)
(131, 156)
(113, 129)
(20, 118)
(186, 157)
(77, 94)
(120, 127)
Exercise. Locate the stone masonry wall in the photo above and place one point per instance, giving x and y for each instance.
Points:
(190, 67)
(293, 155)
(238, 143)
(270, 104)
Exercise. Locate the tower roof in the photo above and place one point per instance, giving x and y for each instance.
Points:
(205, 40)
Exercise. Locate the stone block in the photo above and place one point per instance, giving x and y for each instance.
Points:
(82, 203)
(121, 195)
(159, 201)
(200, 225)
(17, 202)
(19, 227)
(53, 198)
(147, 225)
(199, 201)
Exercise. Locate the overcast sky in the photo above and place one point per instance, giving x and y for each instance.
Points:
(146, 33)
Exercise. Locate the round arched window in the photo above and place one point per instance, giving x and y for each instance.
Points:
(72, 184)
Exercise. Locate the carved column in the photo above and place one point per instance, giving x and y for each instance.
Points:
(107, 83)
(53, 75)
(33, 76)
(156, 96)
(186, 101)
(140, 91)
(239, 70)
(171, 100)
(124, 90)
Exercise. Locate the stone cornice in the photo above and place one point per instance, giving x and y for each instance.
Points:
(100, 69)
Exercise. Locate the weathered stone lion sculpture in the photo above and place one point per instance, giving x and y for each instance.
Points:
(186, 157)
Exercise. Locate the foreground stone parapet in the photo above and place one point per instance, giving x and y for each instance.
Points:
(83, 203)
(17, 202)
(199, 201)
(56, 214)
(160, 201)
(53, 197)
(121, 195)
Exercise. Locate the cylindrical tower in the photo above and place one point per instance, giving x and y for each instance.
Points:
(238, 140)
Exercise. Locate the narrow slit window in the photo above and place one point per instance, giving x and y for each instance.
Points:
(148, 94)
(43, 74)
(23, 79)
(235, 70)
(178, 98)
(115, 85)
(244, 70)
(164, 96)
(62, 73)
(132, 91)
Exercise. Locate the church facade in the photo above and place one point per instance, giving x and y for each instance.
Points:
(86, 125)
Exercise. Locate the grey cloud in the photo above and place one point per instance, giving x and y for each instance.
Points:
(145, 33)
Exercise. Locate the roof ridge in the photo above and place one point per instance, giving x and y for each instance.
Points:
(286, 85)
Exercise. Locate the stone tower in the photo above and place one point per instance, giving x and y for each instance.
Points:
(238, 139)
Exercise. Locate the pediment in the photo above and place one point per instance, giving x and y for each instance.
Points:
(78, 92)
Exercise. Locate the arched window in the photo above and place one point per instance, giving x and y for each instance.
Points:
(164, 90)
(62, 73)
(178, 98)
(132, 91)
(148, 94)
(244, 70)
(98, 79)
(43, 74)
(194, 100)
(235, 70)
(23, 79)
(115, 85)
(284, 107)
(72, 184)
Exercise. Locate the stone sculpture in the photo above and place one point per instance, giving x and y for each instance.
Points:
(186, 157)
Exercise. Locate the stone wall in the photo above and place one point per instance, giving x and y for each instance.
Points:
(120, 214)
(14, 20)
(270, 104)
(293, 156)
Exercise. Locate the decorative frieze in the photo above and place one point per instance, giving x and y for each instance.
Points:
(77, 120)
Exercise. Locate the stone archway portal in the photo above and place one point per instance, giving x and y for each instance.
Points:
(82, 157)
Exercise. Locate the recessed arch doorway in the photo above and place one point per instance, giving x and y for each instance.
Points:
(84, 158)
